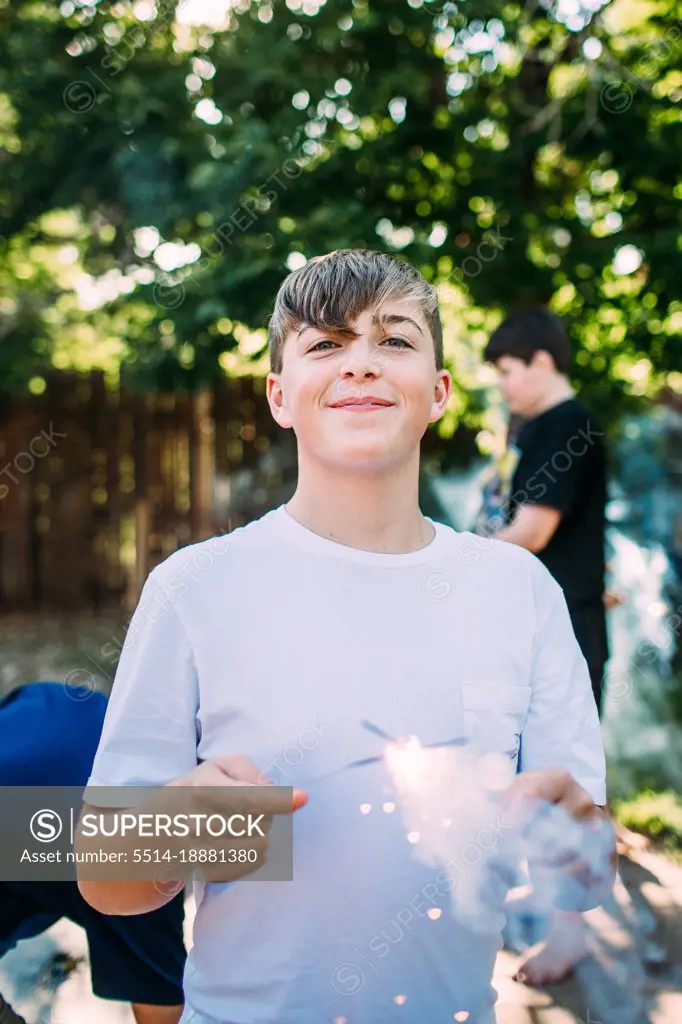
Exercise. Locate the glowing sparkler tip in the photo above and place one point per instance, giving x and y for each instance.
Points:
(406, 760)
(434, 913)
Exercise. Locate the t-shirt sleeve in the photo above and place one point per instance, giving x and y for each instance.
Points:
(562, 726)
(150, 734)
(551, 468)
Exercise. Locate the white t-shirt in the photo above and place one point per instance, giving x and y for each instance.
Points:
(279, 644)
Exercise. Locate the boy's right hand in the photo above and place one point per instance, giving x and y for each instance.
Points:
(207, 792)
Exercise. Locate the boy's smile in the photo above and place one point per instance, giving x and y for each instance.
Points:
(362, 402)
(363, 396)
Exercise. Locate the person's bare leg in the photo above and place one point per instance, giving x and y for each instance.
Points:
(556, 956)
(146, 1014)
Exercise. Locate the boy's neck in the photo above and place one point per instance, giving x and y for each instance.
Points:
(559, 390)
(370, 511)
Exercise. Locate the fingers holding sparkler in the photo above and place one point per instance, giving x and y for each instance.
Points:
(568, 840)
(554, 786)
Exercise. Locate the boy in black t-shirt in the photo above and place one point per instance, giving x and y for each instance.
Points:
(558, 489)
(556, 509)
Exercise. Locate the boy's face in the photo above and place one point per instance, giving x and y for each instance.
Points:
(523, 385)
(361, 401)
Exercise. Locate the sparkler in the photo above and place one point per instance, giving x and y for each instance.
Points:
(460, 787)
(403, 756)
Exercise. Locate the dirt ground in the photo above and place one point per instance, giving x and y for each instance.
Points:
(635, 974)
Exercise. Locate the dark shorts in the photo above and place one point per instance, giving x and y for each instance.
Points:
(137, 959)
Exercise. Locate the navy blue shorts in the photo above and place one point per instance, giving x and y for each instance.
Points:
(138, 959)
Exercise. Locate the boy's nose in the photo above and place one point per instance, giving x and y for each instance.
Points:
(358, 369)
(364, 362)
(354, 374)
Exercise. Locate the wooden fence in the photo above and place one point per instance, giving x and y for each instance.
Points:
(98, 485)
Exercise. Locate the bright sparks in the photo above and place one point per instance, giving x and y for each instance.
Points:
(406, 762)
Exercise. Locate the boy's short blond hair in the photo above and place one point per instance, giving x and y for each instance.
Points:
(329, 291)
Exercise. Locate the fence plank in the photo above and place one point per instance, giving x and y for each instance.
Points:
(135, 477)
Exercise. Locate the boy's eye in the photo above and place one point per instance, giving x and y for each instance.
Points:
(400, 341)
(324, 344)
(317, 346)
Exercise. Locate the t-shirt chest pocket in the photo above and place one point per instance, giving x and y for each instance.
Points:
(494, 715)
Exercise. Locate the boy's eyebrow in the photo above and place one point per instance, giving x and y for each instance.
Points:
(387, 318)
(396, 318)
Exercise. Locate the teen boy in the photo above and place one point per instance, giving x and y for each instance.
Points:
(558, 491)
(323, 615)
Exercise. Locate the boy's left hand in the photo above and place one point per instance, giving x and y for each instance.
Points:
(551, 808)
(553, 786)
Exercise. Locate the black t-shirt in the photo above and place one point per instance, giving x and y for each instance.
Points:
(562, 465)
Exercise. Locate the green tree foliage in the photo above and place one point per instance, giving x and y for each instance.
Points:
(517, 153)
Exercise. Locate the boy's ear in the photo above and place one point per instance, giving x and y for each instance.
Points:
(441, 395)
(542, 360)
(276, 400)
